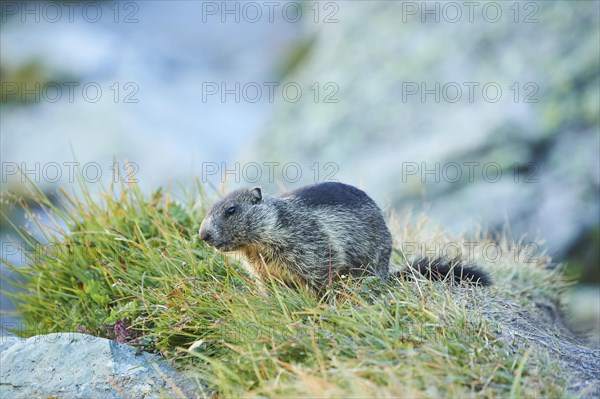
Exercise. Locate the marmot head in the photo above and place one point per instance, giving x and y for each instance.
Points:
(235, 221)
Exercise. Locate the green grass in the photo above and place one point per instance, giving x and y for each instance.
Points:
(134, 262)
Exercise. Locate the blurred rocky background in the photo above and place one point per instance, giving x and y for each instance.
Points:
(487, 122)
(485, 115)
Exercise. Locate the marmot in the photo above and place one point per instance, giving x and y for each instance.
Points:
(312, 235)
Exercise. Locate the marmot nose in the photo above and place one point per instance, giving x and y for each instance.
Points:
(205, 236)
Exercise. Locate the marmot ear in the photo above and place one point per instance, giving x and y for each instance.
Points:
(256, 195)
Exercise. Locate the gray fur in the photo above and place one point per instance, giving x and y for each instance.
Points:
(307, 236)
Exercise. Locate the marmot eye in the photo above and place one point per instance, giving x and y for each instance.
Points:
(230, 211)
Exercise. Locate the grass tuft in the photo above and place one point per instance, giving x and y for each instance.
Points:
(130, 266)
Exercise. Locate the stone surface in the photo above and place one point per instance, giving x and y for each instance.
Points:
(404, 148)
(73, 365)
(542, 328)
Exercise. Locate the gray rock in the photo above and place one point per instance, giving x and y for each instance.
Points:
(7, 341)
(376, 129)
(73, 365)
(542, 328)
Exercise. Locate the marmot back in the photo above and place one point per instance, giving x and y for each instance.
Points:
(310, 235)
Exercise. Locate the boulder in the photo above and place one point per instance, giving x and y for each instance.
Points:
(398, 119)
(74, 365)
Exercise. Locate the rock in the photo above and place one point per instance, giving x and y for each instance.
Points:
(410, 150)
(543, 329)
(7, 341)
(73, 365)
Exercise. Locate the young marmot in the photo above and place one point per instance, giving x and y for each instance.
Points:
(313, 234)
